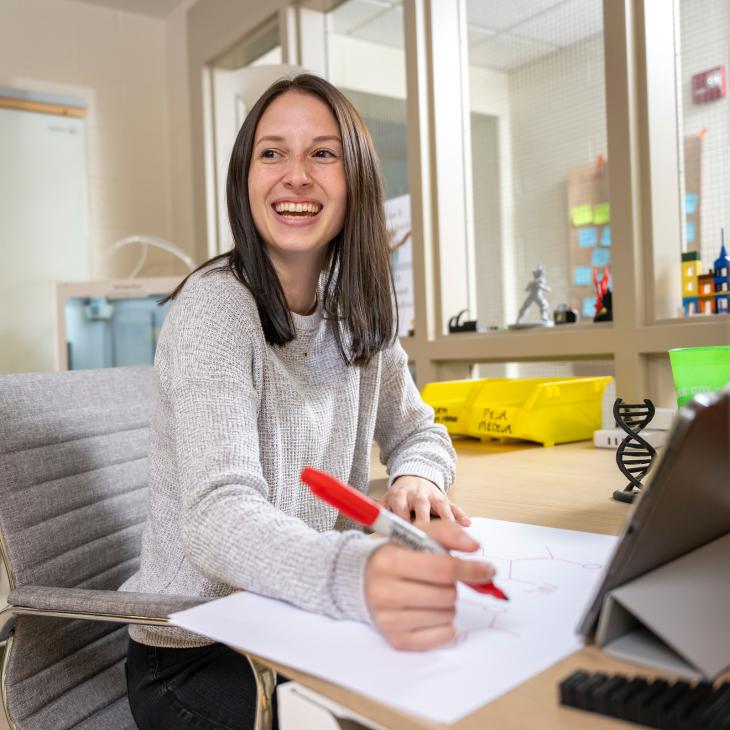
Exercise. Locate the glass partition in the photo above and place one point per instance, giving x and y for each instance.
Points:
(539, 156)
(704, 147)
(366, 60)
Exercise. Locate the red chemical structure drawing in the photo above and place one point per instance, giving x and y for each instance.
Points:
(493, 613)
(490, 614)
(512, 568)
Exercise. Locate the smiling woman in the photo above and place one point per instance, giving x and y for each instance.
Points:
(302, 136)
(297, 191)
(277, 355)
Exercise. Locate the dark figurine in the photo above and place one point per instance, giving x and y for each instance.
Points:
(634, 455)
(565, 315)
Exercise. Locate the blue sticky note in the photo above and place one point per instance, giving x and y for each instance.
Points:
(583, 276)
(589, 307)
(587, 236)
(690, 231)
(601, 257)
(606, 236)
(690, 203)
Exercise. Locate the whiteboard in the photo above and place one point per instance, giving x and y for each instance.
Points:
(43, 230)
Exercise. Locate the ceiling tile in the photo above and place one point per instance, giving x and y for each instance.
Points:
(504, 52)
(565, 24)
(349, 16)
(153, 8)
(386, 29)
(503, 14)
(476, 35)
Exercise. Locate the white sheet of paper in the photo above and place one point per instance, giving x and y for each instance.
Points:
(548, 574)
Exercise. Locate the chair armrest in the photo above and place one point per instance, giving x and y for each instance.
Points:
(117, 606)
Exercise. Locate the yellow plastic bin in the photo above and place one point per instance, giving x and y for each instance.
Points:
(547, 410)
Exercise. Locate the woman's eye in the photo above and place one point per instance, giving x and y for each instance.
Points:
(324, 154)
(269, 154)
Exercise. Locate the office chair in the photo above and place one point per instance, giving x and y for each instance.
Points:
(73, 499)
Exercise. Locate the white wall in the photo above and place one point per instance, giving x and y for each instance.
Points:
(118, 63)
(182, 209)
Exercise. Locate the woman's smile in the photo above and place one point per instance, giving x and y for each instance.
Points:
(296, 211)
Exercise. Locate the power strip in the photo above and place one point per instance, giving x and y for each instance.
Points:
(610, 438)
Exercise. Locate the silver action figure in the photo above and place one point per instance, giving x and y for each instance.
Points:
(535, 290)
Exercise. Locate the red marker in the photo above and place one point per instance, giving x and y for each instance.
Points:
(364, 510)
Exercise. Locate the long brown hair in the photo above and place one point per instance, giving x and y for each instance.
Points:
(359, 293)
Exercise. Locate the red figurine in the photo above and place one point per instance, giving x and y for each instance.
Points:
(604, 304)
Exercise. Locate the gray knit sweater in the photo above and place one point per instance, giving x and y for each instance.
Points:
(235, 421)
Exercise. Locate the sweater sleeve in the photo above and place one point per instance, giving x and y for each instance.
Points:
(410, 442)
(231, 533)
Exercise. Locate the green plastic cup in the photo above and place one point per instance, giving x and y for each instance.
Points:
(699, 370)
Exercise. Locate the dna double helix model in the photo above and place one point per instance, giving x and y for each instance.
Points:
(634, 455)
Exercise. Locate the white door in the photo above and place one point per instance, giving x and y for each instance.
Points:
(43, 230)
(230, 96)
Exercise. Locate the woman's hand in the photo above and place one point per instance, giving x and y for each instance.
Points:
(412, 595)
(414, 494)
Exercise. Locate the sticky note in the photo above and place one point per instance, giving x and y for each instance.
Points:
(589, 307)
(601, 257)
(690, 203)
(587, 236)
(582, 276)
(581, 215)
(690, 231)
(601, 213)
(606, 236)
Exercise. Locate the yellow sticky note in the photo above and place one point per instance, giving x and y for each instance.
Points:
(582, 215)
(601, 214)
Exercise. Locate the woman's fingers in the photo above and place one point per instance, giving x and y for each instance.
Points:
(403, 595)
(460, 516)
(451, 536)
(442, 507)
(422, 639)
(421, 498)
(412, 595)
(413, 619)
(421, 505)
(431, 569)
(397, 502)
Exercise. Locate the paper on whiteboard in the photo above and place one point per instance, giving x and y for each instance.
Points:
(398, 218)
(549, 575)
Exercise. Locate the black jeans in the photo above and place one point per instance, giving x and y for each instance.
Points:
(206, 688)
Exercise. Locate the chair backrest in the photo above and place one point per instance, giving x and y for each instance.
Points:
(73, 499)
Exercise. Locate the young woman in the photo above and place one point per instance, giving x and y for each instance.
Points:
(278, 355)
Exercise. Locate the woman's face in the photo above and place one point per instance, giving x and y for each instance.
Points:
(296, 181)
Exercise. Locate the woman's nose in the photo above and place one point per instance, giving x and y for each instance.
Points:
(297, 174)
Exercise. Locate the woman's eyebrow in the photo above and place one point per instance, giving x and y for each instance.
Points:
(326, 137)
(279, 138)
(270, 138)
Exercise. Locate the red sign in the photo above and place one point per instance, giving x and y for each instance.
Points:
(709, 85)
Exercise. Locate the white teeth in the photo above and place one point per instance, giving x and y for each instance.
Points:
(313, 208)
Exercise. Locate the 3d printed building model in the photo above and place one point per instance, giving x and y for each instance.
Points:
(706, 293)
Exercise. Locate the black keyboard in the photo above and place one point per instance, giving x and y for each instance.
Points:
(652, 703)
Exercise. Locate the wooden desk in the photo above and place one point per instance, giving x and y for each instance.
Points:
(567, 486)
